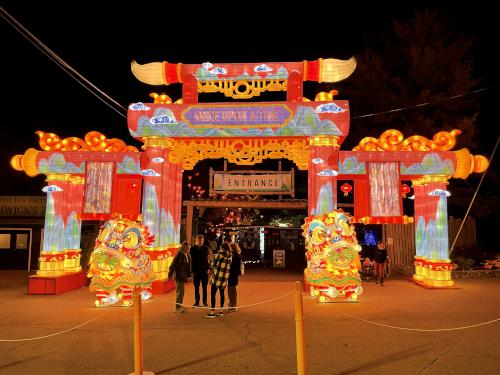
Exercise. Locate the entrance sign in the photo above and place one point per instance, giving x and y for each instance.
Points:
(251, 182)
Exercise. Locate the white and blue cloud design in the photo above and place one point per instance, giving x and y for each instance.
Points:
(439, 193)
(431, 164)
(328, 172)
(162, 120)
(51, 189)
(262, 68)
(158, 160)
(317, 161)
(218, 70)
(58, 164)
(329, 108)
(351, 165)
(128, 166)
(139, 106)
(207, 65)
(150, 173)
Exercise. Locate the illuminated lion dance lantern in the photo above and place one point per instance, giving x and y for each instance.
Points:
(119, 263)
(333, 261)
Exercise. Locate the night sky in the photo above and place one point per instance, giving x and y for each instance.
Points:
(101, 42)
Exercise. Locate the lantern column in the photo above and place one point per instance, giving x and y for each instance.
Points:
(432, 263)
(323, 169)
(52, 252)
(73, 230)
(161, 205)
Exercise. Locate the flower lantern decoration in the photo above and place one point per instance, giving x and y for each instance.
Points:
(346, 189)
(405, 189)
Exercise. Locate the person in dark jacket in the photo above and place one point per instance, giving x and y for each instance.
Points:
(381, 259)
(234, 273)
(200, 267)
(181, 268)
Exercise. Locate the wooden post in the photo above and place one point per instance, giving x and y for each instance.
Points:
(138, 349)
(299, 332)
(137, 332)
(189, 224)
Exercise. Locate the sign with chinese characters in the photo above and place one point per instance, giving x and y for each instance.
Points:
(250, 116)
(241, 182)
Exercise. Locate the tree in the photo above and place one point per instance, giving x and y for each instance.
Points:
(421, 60)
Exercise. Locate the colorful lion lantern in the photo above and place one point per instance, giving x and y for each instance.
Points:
(332, 257)
(119, 263)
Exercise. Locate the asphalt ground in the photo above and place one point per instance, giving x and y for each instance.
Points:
(400, 328)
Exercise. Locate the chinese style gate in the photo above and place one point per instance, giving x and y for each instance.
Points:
(94, 178)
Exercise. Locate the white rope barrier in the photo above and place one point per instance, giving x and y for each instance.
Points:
(425, 330)
(54, 334)
(231, 308)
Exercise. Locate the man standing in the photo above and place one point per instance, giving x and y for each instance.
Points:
(199, 258)
(380, 261)
(181, 267)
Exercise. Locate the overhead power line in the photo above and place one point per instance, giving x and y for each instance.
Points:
(86, 83)
(421, 104)
(60, 62)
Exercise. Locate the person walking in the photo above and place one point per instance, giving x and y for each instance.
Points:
(380, 261)
(221, 266)
(181, 269)
(234, 273)
(200, 267)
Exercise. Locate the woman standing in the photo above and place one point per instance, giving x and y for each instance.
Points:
(234, 273)
(221, 266)
(380, 260)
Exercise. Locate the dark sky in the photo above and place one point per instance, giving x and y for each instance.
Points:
(101, 42)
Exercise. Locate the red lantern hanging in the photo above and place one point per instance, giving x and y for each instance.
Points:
(346, 189)
(405, 189)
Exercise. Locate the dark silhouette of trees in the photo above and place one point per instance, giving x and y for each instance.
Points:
(421, 60)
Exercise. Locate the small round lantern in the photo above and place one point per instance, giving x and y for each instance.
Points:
(346, 189)
(405, 189)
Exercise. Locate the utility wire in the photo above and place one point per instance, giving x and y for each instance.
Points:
(59, 61)
(72, 72)
(421, 104)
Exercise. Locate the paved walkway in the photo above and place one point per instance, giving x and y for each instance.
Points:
(259, 339)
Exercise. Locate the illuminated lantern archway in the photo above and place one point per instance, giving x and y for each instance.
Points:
(176, 135)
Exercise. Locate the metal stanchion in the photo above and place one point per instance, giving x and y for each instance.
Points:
(299, 332)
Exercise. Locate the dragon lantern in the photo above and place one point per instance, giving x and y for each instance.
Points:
(119, 263)
(332, 257)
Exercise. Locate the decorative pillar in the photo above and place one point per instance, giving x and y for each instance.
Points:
(73, 230)
(432, 265)
(161, 206)
(323, 171)
(52, 253)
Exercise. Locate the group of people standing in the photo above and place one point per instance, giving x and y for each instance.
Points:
(220, 271)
